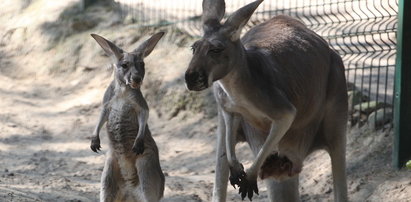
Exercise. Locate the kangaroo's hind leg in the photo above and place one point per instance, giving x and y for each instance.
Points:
(335, 135)
(110, 179)
(151, 177)
(286, 190)
(334, 130)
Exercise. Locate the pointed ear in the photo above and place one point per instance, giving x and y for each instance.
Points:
(235, 23)
(147, 46)
(109, 47)
(213, 12)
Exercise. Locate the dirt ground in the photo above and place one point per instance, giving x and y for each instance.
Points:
(52, 79)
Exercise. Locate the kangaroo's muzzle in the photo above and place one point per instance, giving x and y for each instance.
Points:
(136, 82)
(196, 81)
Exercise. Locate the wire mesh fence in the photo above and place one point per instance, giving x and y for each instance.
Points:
(363, 32)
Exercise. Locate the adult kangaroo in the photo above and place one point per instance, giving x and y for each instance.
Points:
(281, 88)
(132, 171)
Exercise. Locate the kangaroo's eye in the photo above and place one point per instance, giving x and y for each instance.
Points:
(124, 65)
(216, 50)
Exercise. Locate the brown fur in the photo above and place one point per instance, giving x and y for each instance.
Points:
(284, 86)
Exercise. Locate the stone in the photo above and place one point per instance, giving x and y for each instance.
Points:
(379, 118)
(129, 19)
(83, 24)
(368, 107)
(355, 97)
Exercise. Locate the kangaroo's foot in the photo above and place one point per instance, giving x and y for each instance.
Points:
(279, 168)
(138, 146)
(95, 144)
(248, 186)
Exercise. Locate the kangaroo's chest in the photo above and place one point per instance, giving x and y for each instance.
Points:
(122, 123)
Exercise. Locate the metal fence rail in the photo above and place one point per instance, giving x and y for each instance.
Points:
(363, 32)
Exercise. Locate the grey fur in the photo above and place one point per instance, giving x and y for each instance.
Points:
(283, 90)
(132, 171)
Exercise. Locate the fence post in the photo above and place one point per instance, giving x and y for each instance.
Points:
(402, 103)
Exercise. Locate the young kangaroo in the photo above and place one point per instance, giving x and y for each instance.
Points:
(282, 88)
(132, 170)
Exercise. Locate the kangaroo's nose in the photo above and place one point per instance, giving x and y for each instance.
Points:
(191, 77)
(137, 79)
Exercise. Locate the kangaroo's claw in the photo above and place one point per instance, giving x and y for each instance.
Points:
(95, 144)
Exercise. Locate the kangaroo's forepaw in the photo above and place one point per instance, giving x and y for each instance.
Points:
(237, 174)
(138, 146)
(95, 144)
(248, 187)
(279, 168)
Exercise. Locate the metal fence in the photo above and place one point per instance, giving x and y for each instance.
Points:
(363, 32)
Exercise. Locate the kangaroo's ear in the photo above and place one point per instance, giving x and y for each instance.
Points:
(109, 47)
(235, 23)
(213, 12)
(147, 46)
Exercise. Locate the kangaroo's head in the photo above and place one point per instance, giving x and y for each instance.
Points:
(220, 49)
(129, 66)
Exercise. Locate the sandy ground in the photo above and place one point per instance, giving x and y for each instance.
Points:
(52, 79)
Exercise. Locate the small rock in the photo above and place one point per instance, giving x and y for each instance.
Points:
(129, 19)
(12, 125)
(368, 107)
(355, 118)
(10, 174)
(329, 191)
(87, 68)
(355, 97)
(378, 118)
(83, 24)
(43, 159)
(184, 170)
